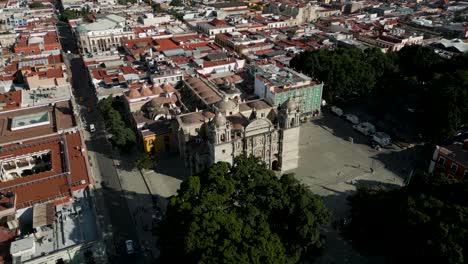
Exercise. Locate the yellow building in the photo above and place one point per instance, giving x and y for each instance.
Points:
(158, 138)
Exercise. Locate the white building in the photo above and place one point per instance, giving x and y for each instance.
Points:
(214, 27)
(152, 20)
(104, 34)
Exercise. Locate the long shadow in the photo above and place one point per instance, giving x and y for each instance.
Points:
(171, 165)
(403, 162)
(339, 249)
(118, 216)
(340, 128)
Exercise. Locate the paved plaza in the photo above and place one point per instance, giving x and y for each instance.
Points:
(332, 165)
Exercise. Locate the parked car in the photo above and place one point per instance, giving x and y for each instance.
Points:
(129, 247)
(352, 118)
(92, 128)
(337, 111)
(382, 139)
(365, 128)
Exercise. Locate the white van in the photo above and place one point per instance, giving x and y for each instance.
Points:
(92, 129)
(129, 247)
(382, 139)
(337, 111)
(352, 118)
(365, 128)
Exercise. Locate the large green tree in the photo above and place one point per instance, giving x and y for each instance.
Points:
(123, 137)
(242, 214)
(345, 72)
(425, 222)
(414, 85)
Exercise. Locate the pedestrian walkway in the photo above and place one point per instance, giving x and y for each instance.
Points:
(139, 201)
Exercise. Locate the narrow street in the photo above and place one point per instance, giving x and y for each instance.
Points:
(114, 216)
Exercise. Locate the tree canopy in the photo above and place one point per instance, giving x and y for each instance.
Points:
(123, 136)
(176, 3)
(242, 214)
(36, 5)
(413, 78)
(68, 14)
(145, 162)
(425, 222)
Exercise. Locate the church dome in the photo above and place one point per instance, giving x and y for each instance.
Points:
(291, 105)
(168, 88)
(220, 120)
(133, 93)
(226, 105)
(157, 90)
(145, 91)
(154, 103)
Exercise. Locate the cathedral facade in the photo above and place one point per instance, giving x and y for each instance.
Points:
(233, 128)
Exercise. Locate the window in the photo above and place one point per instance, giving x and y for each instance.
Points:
(465, 175)
(441, 161)
(454, 167)
(224, 151)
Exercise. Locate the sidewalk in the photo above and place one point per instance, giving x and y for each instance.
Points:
(139, 201)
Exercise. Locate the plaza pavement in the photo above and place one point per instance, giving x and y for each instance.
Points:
(330, 164)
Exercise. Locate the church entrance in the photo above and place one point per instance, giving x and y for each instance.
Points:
(274, 165)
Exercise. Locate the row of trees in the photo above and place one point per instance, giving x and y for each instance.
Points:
(415, 78)
(242, 214)
(425, 222)
(123, 137)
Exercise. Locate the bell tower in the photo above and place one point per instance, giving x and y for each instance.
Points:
(289, 121)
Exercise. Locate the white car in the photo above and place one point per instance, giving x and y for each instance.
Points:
(92, 128)
(129, 247)
(365, 128)
(352, 118)
(382, 139)
(337, 111)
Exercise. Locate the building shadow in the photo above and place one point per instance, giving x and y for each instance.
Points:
(171, 165)
(340, 128)
(403, 162)
(124, 216)
(338, 248)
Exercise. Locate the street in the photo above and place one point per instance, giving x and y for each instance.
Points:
(117, 222)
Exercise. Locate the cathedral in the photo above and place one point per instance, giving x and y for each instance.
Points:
(231, 127)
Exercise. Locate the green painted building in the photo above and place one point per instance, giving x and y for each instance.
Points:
(277, 85)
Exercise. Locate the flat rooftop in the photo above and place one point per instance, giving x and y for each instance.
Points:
(70, 224)
(61, 118)
(31, 98)
(277, 76)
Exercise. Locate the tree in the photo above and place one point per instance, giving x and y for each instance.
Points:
(176, 3)
(36, 5)
(345, 72)
(423, 91)
(123, 137)
(242, 214)
(425, 222)
(68, 14)
(145, 162)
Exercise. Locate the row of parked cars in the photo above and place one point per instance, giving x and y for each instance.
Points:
(377, 138)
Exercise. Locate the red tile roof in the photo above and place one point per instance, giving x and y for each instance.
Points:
(166, 44)
(216, 22)
(11, 99)
(61, 115)
(58, 181)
